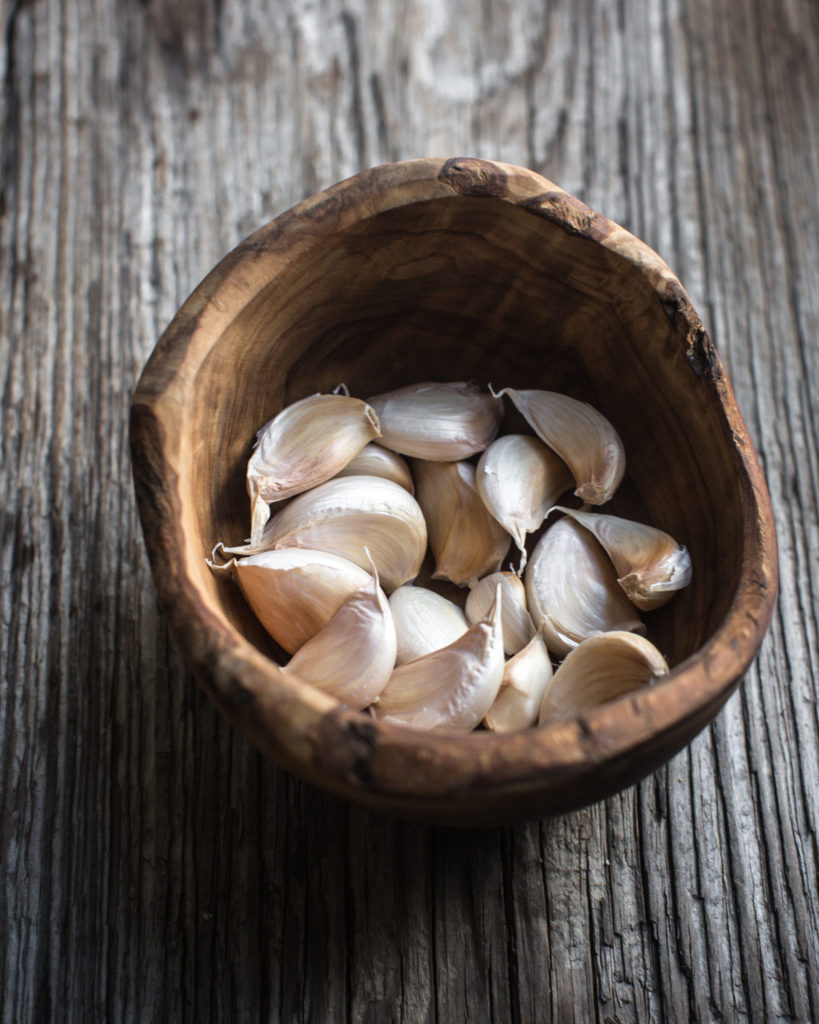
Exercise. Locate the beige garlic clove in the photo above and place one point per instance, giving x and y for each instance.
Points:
(581, 436)
(519, 479)
(650, 564)
(466, 541)
(521, 690)
(441, 422)
(307, 443)
(518, 628)
(452, 688)
(353, 656)
(572, 589)
(349, 514)
(424, 622)
(294, 592)
(601, 669)
(374, 460)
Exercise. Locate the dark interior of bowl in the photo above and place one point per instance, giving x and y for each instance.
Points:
(476, 288)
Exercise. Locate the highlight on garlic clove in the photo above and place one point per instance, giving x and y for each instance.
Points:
(601, 669)
(519, 479)
(585, 440)
(518, 628)
(524, 681)
(651, 565)
(424, 621)
(348, 514)
(572, 590)
(375, 460)
(450, 689)
(353, 656)
(466, 541)
(441, 422)
(307, 443)
(294, 592)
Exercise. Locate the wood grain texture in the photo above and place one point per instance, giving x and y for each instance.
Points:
(155, 867)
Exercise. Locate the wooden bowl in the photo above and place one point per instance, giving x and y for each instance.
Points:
(450, 270)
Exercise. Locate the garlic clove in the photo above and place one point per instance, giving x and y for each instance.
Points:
(353, 656)
(424, 622)
(521, 690)
(518, 628)
(374, 460)
(650, 564)
(572, 589)
(601, 669)
(294, 592)
(452, 688)
(581, 436)
(519, 478)
(305, 444)
(466, 541)
(441, 422)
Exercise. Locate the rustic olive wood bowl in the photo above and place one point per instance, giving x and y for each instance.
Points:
(451, 270)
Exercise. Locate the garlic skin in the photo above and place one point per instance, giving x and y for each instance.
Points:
(465, 539)
(601, 669)
(519, 479)
(651, 565)
(518, 628)
(374, 460)
(521, 690)
(450, 689)
(294, 592)
(305, 444)
(347, 515)
(572, 589)
(440, 422)
(424, 622)
(581, 436)
(353, 656)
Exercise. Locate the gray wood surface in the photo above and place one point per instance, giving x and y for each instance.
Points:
(153, 866)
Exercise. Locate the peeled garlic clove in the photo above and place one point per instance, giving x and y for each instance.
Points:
(305, 444)
(518, 628)
(521, 690)
(441, 422)
(452, 688)
(348, 515)
(354, 655)
(572, 589)
(377, 461)
(599, 670)
(465, 539)
(650, 564)
(581, 436)
(294, 592)
(519, 479)
(424, 622)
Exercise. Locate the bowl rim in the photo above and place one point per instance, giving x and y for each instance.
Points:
(459, 779)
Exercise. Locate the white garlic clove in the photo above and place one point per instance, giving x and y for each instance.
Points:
(441, 422)
(521, 690)
(518, 628)
(374, 460)
(466, 541)
(585, 440)
(452, 688)
(424, 622)
(650, 564)
(601, 669)
(519, 479)
(294, 592)
(572, 589)
(307, 443)
(353, 656)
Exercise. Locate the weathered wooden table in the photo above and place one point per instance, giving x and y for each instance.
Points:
(153, 866)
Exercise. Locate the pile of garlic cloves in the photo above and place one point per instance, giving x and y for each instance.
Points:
(349, 499)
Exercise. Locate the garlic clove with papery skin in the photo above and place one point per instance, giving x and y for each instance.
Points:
(518, 628)
(424, 621)
(375, 460)
(524, 681)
